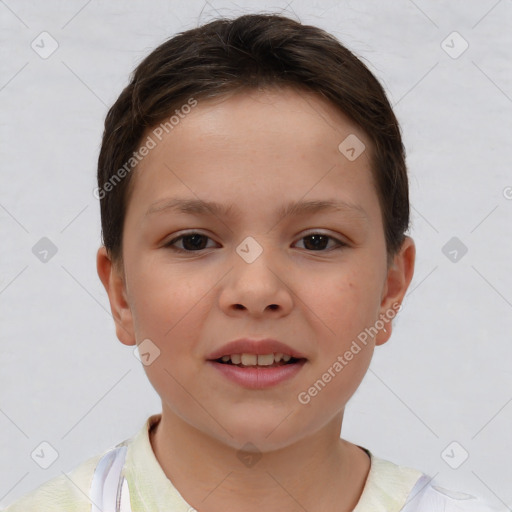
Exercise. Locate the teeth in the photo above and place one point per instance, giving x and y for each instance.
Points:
(249, 359)
(259, 360)
(265, 360)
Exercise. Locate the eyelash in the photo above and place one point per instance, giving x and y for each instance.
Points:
(170, 245)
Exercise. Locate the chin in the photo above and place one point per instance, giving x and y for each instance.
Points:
(266, 433)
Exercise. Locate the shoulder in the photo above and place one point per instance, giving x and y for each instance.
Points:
(67, 492)
(428, 496)
(394, 488)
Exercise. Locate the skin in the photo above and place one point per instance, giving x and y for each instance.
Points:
(259, 151)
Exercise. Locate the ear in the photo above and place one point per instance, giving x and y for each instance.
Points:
(398, 279)
(113, 280)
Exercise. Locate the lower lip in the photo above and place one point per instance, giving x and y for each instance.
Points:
(258, 378)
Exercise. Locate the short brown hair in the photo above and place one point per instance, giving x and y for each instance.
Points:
(252, 51)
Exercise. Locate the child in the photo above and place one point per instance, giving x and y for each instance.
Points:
(274, 146)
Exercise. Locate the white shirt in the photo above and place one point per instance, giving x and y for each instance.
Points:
(128, 478)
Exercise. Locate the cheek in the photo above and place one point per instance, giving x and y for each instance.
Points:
(346, 309)
(346, 302)
(168, 308)
(165, 298)
(341, 373)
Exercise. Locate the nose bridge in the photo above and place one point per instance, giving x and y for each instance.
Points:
(256, 261)
(255, 282)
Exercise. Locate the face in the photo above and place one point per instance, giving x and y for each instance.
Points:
(313, 279)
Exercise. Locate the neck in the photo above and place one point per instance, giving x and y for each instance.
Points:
(319, 473)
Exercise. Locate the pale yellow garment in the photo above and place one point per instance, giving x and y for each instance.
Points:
(386, 490)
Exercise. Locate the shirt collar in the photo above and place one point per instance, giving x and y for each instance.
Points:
(386, 489)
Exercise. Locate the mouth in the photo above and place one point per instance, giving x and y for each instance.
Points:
(272, 360)
(258, 372)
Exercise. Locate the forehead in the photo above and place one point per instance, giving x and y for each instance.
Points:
(255, 148)
(281, 121)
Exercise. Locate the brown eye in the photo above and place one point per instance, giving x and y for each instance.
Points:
(195, 242)
(319, 242)
(191, 242)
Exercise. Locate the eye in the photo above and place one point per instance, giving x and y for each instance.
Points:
(317, 242)
(195, 242)
(192, 242)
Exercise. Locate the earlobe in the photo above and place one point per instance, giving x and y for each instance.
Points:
(114, 283)
(398, 279)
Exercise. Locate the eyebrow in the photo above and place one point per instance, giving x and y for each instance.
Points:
(294, 208)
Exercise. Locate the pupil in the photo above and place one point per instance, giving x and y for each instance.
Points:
(316, 241)
(194, 245)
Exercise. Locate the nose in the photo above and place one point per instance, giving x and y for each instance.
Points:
(257, 287)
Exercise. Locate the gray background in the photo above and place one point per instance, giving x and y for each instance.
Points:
(444, 376)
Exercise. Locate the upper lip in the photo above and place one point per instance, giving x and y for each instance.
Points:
(258, 347)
